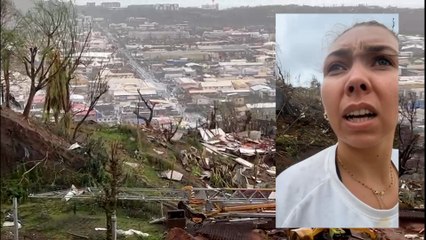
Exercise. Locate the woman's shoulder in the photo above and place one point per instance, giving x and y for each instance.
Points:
(315, 165)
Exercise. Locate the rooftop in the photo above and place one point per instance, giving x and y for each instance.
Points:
(217, 84)
(186, 81)
(261, 105)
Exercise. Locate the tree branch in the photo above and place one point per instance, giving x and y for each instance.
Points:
(38, 163)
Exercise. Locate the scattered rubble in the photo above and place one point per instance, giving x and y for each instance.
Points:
(158, 152)
(243, 160)
(9, 221)
(172, 175)
(411, 193)
(131, 164)
(74, 146)
(74, 192)
(247, 149)
(126, 233)
(413, 236)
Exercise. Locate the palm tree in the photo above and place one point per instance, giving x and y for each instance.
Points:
(55, 89)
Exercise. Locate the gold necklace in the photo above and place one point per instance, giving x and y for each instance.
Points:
(378, 194)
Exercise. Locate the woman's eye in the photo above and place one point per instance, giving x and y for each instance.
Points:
(382, 61)
(336, 68)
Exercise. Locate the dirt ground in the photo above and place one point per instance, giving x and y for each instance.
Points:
(24, 140)
(30, 235)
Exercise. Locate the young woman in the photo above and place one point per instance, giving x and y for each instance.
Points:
(355, 182)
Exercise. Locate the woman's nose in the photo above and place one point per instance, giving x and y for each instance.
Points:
(359, 81)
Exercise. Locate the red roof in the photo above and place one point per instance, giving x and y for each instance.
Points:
(38, 99)
(80, 109)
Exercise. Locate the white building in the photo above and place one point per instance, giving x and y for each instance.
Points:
(220, 85)
(262, 111)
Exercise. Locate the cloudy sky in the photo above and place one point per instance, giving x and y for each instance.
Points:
(25, 4)
(302, 40)
(237, 3)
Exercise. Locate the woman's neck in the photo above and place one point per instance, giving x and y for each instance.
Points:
(368, 163)
(368, 174)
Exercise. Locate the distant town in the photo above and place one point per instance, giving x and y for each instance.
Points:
(185, 74)
(412, 79)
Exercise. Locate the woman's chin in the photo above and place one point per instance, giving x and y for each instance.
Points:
(362, 141)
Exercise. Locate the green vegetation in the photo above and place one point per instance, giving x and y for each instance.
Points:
(55, 219)
(196, 170)
(289, 144)
(124, 134)
(141, 165)
(193, 141)
(302, 129)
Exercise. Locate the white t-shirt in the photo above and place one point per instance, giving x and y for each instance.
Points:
(310, 194)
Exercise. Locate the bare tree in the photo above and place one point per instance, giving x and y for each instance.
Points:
(9, 41)
(49, 27)
(114, 169)
(247, 120)
(5, 65)
(106, 170)
(150, 105)
(212, 117)
(230, 121)
(406, 136)
(170, 132)
(302, 125)
(58, 89)
(6, 11)
(98, 87)
(284, 92)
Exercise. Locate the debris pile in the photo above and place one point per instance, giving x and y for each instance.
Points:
(411, 194)
(9, 221)
(247, 158)
(242, 160)
(219, 231)
(129, 232)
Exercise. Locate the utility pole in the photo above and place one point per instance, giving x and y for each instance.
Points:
(15, 218)
(114, 226)
(2, 94)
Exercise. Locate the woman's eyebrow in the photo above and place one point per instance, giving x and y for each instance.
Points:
(347, 52)
(343, 52)
(380, 48)
(339, 53)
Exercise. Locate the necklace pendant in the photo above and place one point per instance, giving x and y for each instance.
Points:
(379, 193)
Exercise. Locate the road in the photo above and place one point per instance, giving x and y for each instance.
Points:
(143, 74)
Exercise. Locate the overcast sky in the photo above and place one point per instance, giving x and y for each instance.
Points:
(237, 3)
(302, 40)
(25, 4)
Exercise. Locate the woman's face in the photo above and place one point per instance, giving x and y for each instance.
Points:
(360, 88)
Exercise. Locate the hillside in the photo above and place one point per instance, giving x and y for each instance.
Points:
(25, 143)
(32, 149)
(35, 159)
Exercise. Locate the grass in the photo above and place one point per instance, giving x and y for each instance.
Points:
(124, 135)
(55, 219)
(151, 174)
(196, 170)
